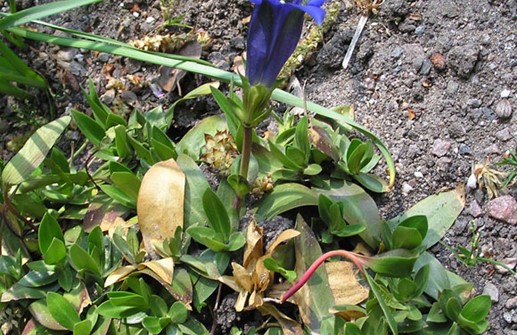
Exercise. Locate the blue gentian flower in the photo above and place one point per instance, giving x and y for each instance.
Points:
(274, 32)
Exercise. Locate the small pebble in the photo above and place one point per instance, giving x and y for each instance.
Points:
(419, 174)
(452, 87)
(475, 210)
(492, 291)
(505, 93)
(504, 134)
(440, 147)
(150, 19)
(66, 55)
(511, 303)
(503, 208)
(406, 188)
(438, 61)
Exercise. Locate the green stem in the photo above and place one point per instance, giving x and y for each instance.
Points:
(246, 152)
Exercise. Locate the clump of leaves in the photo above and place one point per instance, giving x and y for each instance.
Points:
(509, 161)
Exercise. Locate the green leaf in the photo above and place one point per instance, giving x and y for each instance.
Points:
(83, 328)
(55, 253)
(376, 290)
(236, 241)
(48, 229)
(178, 312)
(441, 211)
(301, 137)
(33, 152)
(394, 263)
(91, 129)
(82, 261)
(127, 183)
(358, 208)
(62, 310)
(118, 195)
(100, 110)
(217, 215)
(358, 155)
(162, 144)
(123, 148)
(286, 197)
(155, 324)
(208, 237)
(38, 278)
(476, 309)
(410, 233)
(272, 265)
(195, 186)
(372, 182)
(110, 310)
(41, 314)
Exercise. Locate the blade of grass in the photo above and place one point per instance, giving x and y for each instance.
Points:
(191, 66)
(19, 71)
(41, 11)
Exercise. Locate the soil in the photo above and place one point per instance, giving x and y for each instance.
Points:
(435, 80)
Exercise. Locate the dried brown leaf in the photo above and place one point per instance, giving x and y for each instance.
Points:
(254, 244)
(345, 287)
(119, 274)
(160, 203)
(164, 268)
(285, 236)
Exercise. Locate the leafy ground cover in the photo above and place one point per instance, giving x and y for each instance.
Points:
(103, 278)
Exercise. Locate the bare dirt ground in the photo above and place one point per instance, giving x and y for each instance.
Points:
(435, 80)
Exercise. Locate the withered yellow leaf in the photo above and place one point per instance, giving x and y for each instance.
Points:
(164, 268)
(254, 245)
(242, 277)
(345, 287)
(160, 203)
(283, 237)
(119, 274)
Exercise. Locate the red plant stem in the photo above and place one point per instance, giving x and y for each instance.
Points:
(355, 258)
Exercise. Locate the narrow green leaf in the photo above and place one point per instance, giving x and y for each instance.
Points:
(33, 152)
(41, 11)
(217, 215)
(286, 197)
(376, 290)
(82, 261)
(92, 130)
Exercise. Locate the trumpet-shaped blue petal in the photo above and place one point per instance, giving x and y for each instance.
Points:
(273, 34)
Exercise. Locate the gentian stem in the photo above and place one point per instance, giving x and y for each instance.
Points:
(246, 151)
(358, 260)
